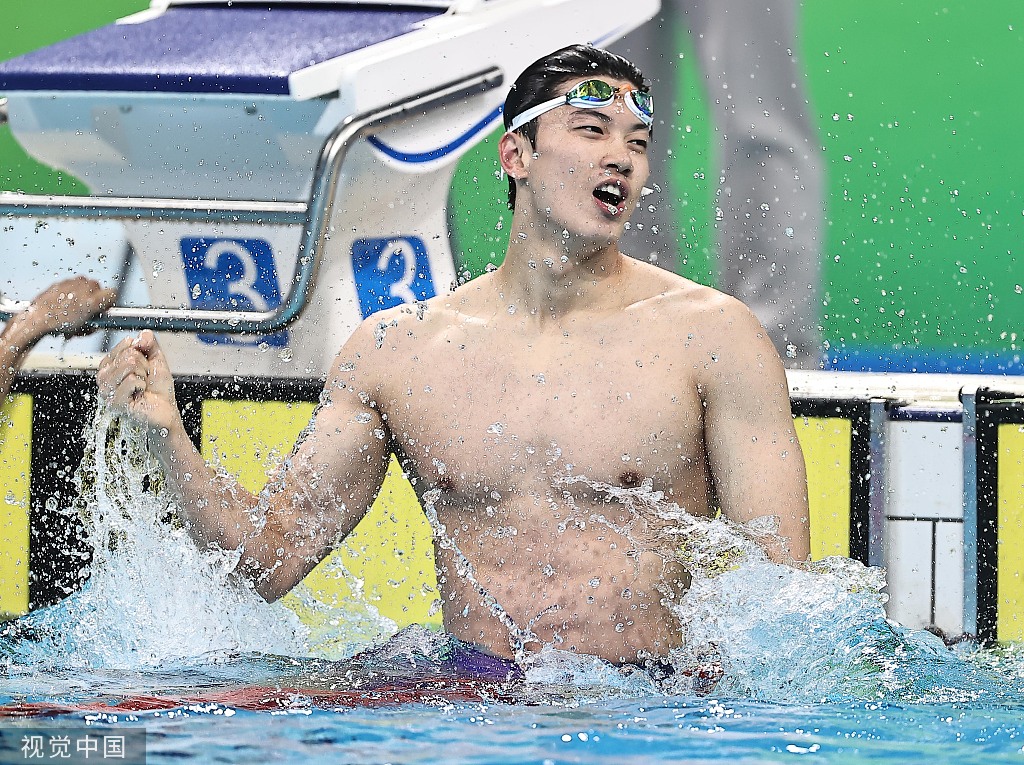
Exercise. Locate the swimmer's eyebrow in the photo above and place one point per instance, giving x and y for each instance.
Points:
(579, 111)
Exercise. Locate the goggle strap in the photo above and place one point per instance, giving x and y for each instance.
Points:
(535, 111)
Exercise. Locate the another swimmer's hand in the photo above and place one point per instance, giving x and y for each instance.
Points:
(66, 306)
(134, 378)
(63, 308)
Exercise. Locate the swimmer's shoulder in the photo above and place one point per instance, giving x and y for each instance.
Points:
(676, 297)
(425, 320)
(706, 317)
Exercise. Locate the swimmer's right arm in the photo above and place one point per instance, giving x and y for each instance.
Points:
(310, 503)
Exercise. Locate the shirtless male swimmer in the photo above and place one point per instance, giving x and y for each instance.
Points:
(568, 360)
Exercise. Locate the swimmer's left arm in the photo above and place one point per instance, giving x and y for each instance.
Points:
(756, 462)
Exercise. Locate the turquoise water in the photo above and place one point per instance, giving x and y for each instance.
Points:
(810, 666)
(651, 728)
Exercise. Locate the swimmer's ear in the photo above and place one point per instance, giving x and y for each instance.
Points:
(514, 153)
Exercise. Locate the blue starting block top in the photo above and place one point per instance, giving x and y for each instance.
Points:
(240, 49)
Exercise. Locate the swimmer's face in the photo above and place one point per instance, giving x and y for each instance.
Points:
(588, 167)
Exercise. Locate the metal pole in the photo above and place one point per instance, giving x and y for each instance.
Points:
(316, 216)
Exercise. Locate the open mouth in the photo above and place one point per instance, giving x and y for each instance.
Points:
(611, 195)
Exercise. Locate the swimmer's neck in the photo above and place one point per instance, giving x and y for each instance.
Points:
(550, 281)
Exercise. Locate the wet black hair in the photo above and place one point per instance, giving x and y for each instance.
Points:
(542, 79)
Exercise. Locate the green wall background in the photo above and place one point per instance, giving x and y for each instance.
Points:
(919, 116)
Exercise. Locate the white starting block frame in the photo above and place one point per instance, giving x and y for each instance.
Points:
(263, 263)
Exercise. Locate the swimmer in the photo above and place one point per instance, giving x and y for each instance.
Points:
(63, 307)
(570, 360)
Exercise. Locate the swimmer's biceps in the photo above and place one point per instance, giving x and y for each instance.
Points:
(345, 450)
(755, 458)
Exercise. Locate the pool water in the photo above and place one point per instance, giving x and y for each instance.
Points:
(804, 663)
(650, 728)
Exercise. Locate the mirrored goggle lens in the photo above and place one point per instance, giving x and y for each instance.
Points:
(598, 93)
(643, 101)
(591, 93)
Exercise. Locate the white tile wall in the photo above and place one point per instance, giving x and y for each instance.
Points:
(908, 560)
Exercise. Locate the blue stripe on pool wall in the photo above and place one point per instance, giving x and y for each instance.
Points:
(208, 49)
(924, 360)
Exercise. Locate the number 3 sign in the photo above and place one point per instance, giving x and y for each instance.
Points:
(390, 272)
(233, 274)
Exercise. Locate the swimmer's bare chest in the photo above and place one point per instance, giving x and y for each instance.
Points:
(478, 418)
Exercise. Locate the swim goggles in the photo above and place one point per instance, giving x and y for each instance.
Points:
(593, 94)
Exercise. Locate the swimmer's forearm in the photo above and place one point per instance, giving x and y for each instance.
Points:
(219, 511)
(216, 510)
(16, 341)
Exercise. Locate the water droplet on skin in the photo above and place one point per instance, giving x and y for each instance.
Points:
(620, 627)
(511, 310)
(789, 232)
(496, 429)
(363, 417)
(595, 582)
(625, 458)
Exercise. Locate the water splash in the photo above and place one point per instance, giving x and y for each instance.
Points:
(519, 637)
(749, 627)
(152, 595)
(781, 633)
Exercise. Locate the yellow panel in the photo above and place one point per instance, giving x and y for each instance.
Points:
(15, 467)
(826, 443)
(391, 550)
(1010, 574)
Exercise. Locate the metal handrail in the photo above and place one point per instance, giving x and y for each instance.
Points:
(316, 217)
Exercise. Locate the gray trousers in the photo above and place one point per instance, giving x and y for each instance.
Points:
(769, 200)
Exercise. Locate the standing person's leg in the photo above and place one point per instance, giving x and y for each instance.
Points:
(653, 48)
(769, 204)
